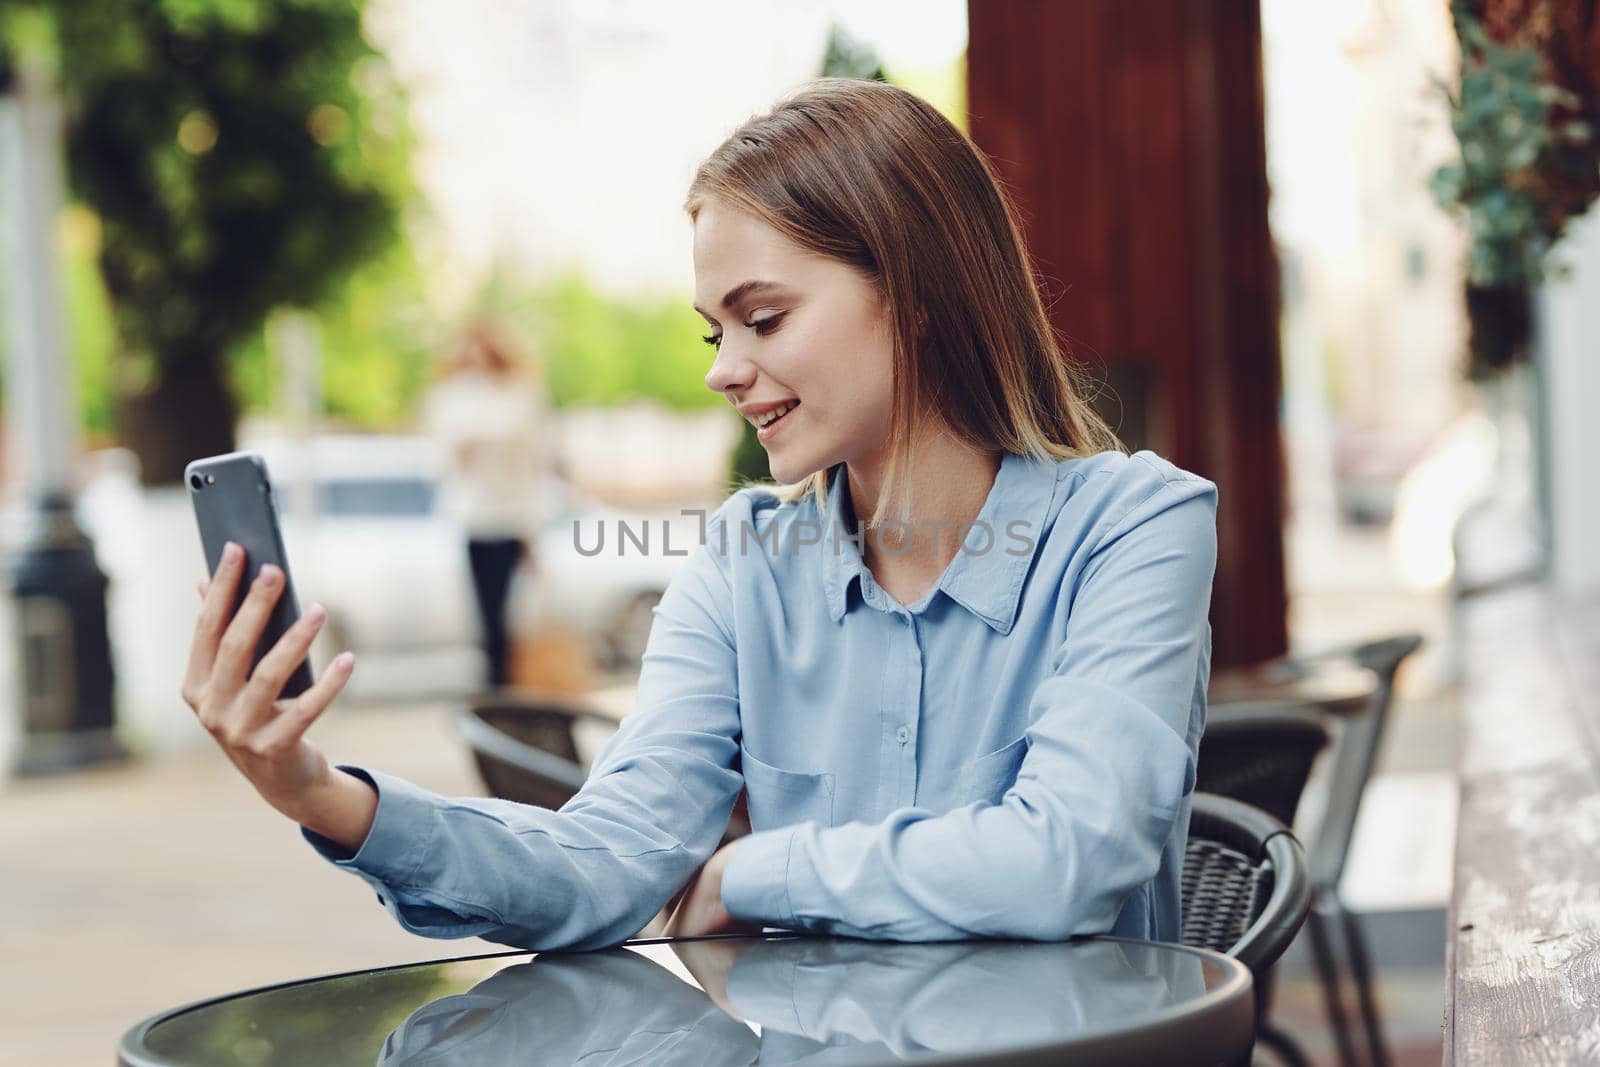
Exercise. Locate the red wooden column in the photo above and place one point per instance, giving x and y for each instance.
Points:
(1131, 134)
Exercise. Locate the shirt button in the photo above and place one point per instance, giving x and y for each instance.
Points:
(902, 735)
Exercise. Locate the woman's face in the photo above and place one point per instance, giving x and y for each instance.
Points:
(798, 334)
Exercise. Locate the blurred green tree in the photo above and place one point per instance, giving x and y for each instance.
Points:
(240, 156)
(377, 337)
(599, 350)
(847, 57)
(602, 350)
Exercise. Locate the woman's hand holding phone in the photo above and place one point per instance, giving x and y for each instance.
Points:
(263, 735)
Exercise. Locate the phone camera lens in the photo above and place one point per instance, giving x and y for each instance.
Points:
(196, 482)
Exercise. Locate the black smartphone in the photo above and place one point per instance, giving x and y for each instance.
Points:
(233, 501)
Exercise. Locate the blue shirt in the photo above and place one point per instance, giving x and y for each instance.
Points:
(1010, 757)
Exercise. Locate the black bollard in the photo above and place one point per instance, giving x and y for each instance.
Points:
(63, 656)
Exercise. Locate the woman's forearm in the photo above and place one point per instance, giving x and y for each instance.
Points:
(342, 810)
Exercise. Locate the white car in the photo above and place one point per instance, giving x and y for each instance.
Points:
(600, 571)
(366, 538)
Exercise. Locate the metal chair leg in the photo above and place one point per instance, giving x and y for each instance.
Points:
(1322, 952)
(1268, 1036)
(1361, 968)
(1286, 1047)
(1266, 987)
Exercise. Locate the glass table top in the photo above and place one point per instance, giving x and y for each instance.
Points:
(772, 999)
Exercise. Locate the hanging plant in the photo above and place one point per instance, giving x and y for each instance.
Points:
(1527, 165)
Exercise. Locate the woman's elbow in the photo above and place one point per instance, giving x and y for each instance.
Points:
(1074, 880)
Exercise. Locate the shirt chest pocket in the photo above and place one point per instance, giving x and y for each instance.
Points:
(780, 798)
(986, 779)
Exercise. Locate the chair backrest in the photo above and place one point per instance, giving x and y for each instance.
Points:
(1355, 753)
(1260, 753)
(526, 751)
(527, 755)
(1246, 888)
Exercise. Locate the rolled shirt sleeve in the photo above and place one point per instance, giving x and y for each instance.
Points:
(653, 810)
(1109, 767)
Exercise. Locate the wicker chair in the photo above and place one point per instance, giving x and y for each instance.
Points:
(526, 751)
(1246, 887)
(1355, 753)
(1261, 754)
(1246, 891)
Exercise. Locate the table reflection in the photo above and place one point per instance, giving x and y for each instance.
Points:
(594, 1008)
(796, 1001)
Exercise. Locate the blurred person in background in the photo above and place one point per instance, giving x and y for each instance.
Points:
(487, 414)
(957, 663)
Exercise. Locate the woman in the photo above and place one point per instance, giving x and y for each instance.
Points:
(488, 419)
(960, 670)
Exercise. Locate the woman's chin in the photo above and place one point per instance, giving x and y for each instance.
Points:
(787, 470)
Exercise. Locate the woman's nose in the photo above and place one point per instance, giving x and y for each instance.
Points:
(730, 370)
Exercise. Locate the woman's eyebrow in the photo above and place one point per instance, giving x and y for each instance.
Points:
(742, 290)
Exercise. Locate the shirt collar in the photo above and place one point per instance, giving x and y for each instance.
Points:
(841, 559)
(986, 576)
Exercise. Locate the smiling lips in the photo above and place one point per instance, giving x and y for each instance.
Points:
(769, 420)
(766, 418)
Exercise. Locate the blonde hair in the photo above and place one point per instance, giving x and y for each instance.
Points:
(876, 178)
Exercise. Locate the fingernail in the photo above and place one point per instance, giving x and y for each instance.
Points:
(316, 613)
(345, 660)
(269, 576)
(230, 552)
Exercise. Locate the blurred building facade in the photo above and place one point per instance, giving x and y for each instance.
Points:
(1374, 331)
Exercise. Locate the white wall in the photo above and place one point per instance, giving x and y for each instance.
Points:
(1570, 309)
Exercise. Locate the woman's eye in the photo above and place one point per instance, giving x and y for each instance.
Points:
(762, 327)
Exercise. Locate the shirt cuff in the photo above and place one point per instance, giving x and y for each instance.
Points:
(755, 885)
(761, 987)
(397, 843)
